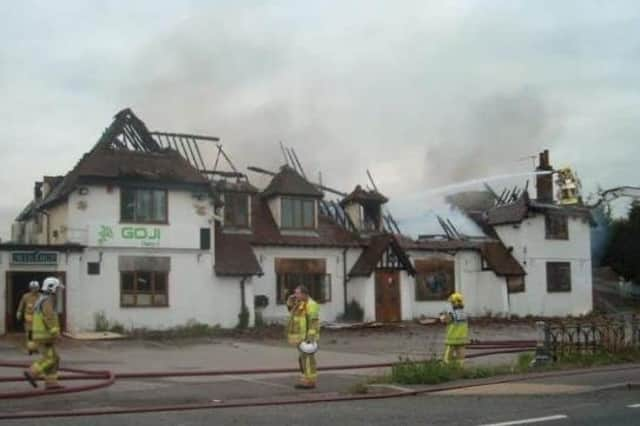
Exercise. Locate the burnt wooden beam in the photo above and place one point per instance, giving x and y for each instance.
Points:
(295, 157)
(223, 174)
(187, 136)
(202, 163)
(226, 157)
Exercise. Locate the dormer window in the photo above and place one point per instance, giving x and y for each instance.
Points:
(298, 213)
(236, 210)
(364, 208)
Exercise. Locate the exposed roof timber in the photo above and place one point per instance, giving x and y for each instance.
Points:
(186, 135)
(395, 228)
(375, 188)
(491, 191)
(284, 154)
(295, 157)
(226, 157)
(223, 174)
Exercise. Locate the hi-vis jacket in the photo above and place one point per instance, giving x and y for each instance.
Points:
(457, 328)
(304, 321)
(27, 303)
(46, 326)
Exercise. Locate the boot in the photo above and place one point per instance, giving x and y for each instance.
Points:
(30, 378)
(53, 386)
(305, 384)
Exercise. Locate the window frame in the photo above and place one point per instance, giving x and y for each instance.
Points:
(205, 239)
(302, 202)
(553, 229)
(550, 276)
(228, 203)
(431, 297)
(93, 268)
(153, 292)
(302, 278)
(136, 190)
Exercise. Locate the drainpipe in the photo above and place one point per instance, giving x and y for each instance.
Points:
(345, 278)
(243, 302)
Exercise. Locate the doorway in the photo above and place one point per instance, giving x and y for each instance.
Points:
(17, 285)
(388, 296)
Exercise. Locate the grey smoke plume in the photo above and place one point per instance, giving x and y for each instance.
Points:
(496, 133)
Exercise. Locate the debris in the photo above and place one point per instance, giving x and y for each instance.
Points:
(98, 335)
(428, 321)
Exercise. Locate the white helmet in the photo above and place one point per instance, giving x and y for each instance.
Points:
(51, 284)
(33, 285)
(308, 347)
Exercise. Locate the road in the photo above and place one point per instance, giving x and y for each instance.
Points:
(598, 402)
(607, 408)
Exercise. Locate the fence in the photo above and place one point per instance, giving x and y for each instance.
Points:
(610, 334)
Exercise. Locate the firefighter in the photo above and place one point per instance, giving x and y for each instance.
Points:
(457, 336)
(303, 331)
(25, 311)
(46, 330)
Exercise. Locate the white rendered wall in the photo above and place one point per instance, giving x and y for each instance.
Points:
(533, 251)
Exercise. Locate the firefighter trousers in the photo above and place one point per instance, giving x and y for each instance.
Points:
(32, 346)
(307, 364)
(454, 353)
(47, 366)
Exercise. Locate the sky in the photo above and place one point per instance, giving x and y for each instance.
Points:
(425, 94)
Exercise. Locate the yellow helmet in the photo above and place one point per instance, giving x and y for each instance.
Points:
(456, 299)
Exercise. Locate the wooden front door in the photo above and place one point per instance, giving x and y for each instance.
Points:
(388, 296)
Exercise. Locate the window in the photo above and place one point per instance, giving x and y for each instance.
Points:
(236, 210)
(143, 205)
(143, 288)
(298, 213)
(93, 268)
(558, 277)
(435, 279)
(556, 226)
(515, 284)
(205, 239)
(319, 286)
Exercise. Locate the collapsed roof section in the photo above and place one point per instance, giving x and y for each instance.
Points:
(363, 196)
(127, 151)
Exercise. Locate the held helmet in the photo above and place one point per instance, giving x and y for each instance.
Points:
(33, 285)
(308, 347)
(456, 300)
(51, 284)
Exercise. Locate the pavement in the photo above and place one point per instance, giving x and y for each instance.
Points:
(532, 397)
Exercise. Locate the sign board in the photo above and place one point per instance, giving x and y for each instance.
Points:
(34, 258)
(143, 236)
(182, 236)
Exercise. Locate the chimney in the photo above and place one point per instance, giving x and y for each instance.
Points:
(37, 191)
(544, 182)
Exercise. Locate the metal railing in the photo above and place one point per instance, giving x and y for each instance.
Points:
(611, 334)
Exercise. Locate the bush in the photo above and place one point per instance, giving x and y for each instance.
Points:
(243, 318)
(354, 312)
(191, 329)
(431, 372)
(100, 321)
(434, 371)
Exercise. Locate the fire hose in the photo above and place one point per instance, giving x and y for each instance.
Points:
(107, 378)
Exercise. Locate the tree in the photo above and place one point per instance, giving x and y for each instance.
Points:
(623, 250)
